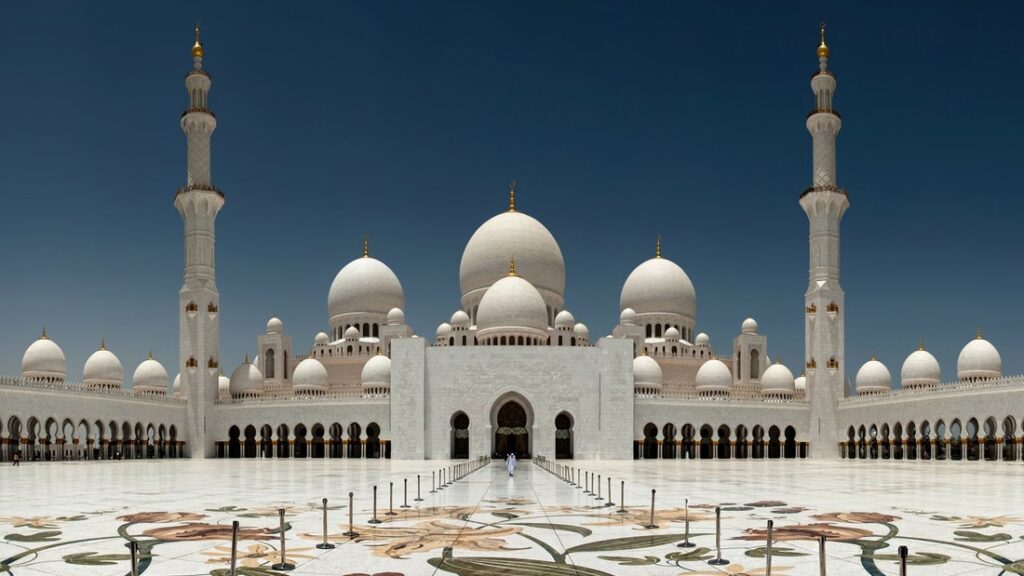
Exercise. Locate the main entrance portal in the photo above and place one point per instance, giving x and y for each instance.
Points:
(512, 435)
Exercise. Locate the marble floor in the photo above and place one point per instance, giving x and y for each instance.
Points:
(75, 518)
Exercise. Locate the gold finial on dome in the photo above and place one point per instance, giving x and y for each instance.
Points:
(512, 196)
(197, 48)
(43, 337)
(873, 357)
(366, 246)
(920, 345)
(778, 359)
(512, 266)
(657, 248)
(822, 48)
(246, 361)
(150, 357)
(103, 343)
(977, 336)
(643, 351)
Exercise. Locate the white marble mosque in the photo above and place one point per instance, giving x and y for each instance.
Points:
(512, 370)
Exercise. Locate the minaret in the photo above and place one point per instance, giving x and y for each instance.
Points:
(824, 202)
(198, 203)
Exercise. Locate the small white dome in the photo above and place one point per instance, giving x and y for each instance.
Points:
(275, 326)
(979, 360)
(150, 378)
(777, 379)
(352, 333)
(672, 334)
(460, 320)
(627, 317)
(581, 330)
(659, 286)
(377, 371)
(800, 383)
(646, 372)
(396, 317)
(246, 381)
(44, 359)
(512, 302)
(920, 370)
(176, 386)
(443, 329)
(714, 376)
(365, 285)
(103, 370)
(564, 320)
(703, 339)
(749, 326)
(223, 385)
(873, 377)
(309, 376)
(321, 338)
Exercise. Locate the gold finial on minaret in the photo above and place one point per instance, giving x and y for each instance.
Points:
(977, 336)
(366, 246)
(197, 48)
(512, 196)
(822, 48)
(657, 248)
(43, 337)
(512, 266)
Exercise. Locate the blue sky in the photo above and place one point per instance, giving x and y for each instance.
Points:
(405, 121)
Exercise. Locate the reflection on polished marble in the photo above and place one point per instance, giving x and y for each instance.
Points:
(75, 518)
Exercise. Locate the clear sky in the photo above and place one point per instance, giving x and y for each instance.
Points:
(406, 120)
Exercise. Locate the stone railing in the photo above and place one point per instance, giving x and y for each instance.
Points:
(356, 395)
(62, 385)
(663, 394)
(1007, 382)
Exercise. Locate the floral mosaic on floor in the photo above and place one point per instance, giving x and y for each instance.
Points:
(517, 527)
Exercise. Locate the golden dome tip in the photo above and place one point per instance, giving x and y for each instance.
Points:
(197, 48)
(657, 247)
(512, 196)
(366, 246)
(512, 266)
(823, 48)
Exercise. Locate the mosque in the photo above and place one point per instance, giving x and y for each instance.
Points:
(511, 370)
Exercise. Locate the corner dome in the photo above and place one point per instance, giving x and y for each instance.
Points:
(979, 360)
(310, 377)
(873, 378)
(103, 370)
(246, 381)
(581, 330)
(395, 317)
(351, 333)
(800, 383)
(44, 359)
(150, 378)
(565, 320)
(275, 326)
(920, 370)
(321, 338)
(377, 371)
(365, 286)
(627, 317)
(714, 377)
(512, 302)
(702, 339)
(672, 334)
(176, 386)
(223, 386)
(777, 379)
(506, 235)
(460, 320)
(443, 329)
(659, 286)
(646, 372)
(749, 326)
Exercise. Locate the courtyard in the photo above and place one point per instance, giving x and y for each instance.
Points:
(76, 517)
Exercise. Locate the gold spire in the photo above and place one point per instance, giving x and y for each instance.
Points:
(977, 336)
(43, 337)
(103, 343)
(150, 357)
(512, 266)
(920, 345)
(778, 359)
(643, 351)
(197, 48)
(512, 196)
(246, 361)
(873, 357)
(822, 48)
(657, 248)
(366, 246)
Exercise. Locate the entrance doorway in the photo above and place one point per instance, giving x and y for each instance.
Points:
(460, 436)
(512, 433)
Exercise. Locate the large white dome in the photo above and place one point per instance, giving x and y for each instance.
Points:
(365, 285)
(246, 381)
(873, 377)
(714, 376)
(646, 372)
(920, 370)
(777, 379)
(979, 360)
(512, 235)
(103, 370)
(377, 371)
(512, 302)
(309, 376)
(659, 286)
(44, 359)
(150, 377)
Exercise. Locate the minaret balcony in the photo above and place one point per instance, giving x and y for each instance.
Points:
(825, 188)
(191, 309)
(201, 110)
(812, 309)
(200, 188)
(212, 310)
(831, 111)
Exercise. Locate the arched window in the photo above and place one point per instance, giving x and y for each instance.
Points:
(285, 370)
(657, 331)
(755, 363)
(649, 330)
(268, 363)
(376, 330)
(366, 329)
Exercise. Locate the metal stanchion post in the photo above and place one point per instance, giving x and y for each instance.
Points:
(768, 551)
(599, 487)
(283, 564)
(718, 560)
(821, 555)
(133, 551)
(652, 525)
(374, 520)
(609, 502)
(391, 499)
(405, 493)
(418, 499)
(351, 530)
(903, 560)
(325, 545)
(234, 547)
(622, 497)
(686, 526)
(433, 487)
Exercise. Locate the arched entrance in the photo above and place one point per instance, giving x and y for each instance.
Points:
(511, 429)
(563, 436)
(460, 436)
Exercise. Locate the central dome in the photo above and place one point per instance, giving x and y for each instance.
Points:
(512, 234)
(512, 302)
(365, 286)
(659, 286)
